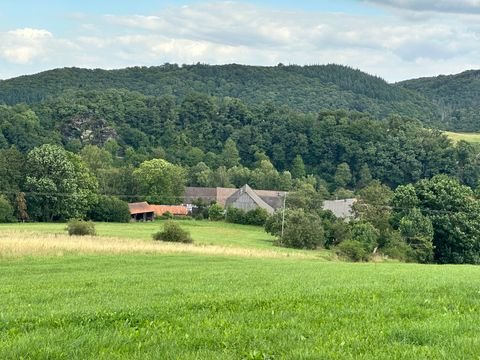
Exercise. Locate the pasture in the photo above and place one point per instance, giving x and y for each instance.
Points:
(130, 298)
(203, 232)
(473, 138)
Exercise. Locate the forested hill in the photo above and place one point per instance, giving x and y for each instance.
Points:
(457, 96)
(302, 88)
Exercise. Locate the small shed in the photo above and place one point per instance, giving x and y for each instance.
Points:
(141, 211)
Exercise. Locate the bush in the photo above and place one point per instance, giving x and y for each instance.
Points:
(301, 230)
(199, 216)
(110, 209)
(235, 216)
(256, 216)
(167, 215)
(396, 248)
(81, 228)
(353, 250)
(215, 213)
(6, 210)
(174, 233)
(366, 234)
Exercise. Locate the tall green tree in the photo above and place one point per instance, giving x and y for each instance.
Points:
(343, 175)
(6, 210)
(417, 230)
(12, 171)
(298, 168)
(373, 207)
(454, 213)
(160, 182)
(59, 185)
(230, 154)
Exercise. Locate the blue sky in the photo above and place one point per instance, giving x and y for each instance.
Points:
(395, 39)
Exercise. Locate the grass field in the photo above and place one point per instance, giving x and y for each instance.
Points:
(131, 298)
(469, 137)
(203, 232)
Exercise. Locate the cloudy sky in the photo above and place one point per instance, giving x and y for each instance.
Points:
(394, 39)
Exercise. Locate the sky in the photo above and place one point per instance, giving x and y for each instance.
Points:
(393, 39)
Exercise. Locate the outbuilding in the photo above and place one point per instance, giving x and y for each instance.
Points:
(141, 211)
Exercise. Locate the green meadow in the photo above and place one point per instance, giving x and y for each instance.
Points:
(468, 137)
(203, 232)
(96, 305)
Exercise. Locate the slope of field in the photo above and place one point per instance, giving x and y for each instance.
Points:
(303, 88)
(473, 138)
(204, 307)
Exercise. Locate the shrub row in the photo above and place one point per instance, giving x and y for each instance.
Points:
(257, 216)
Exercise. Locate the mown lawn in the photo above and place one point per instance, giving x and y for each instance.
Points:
(213, 307)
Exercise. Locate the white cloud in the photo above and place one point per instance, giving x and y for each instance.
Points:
(23, 45)
(389, 47)
(30, 34)
(227, 32)
(442, 6)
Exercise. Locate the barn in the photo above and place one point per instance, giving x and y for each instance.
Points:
(246, 199)
(141, 211)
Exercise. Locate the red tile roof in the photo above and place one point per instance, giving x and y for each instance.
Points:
(140, 208)
(173, 209)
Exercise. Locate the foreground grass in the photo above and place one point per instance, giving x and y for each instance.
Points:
(203, 307)
(469, 137)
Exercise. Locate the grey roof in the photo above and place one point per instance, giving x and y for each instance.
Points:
(340, 208)
(257, 199)
(272, 198)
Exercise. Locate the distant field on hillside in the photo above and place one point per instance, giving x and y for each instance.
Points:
(170, 306)
(469, 137)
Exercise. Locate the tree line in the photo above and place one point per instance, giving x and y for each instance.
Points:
(301, 88)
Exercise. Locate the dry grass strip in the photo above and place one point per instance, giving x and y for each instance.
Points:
(20, 243)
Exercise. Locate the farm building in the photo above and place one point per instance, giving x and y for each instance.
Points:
(141, 211)
(176, 210)
(342, 209)
(245, 198)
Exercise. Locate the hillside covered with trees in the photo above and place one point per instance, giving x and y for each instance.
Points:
(457, 97)
(301, 88)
